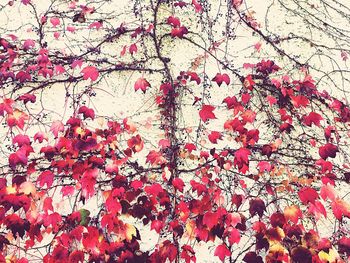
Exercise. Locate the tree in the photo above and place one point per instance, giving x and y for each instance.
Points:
(230, 138)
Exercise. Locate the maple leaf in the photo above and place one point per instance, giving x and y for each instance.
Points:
(87, 112)
(222, 252)
(155, 158)
(257, 206)
(194, 77)
(340, 208)
(344, 245)
(90, 72)
(233, 103)
(277, 219)
(308, 195)
(214, 136)
(188, 254)
(264, 166)
(19, 157)
(220, 78)
(46, 177)
(300, 101)
(96, 25)
(312, 118)
(328, 150)
(327, 192)
(252, 257)
(40, 137)
(56, 127)
(272, 100)
(210, 219)
(234, 235)
(248, 116)
(88, 182)
(142, 84)
(16, 224)
(136, 184)
(27, 98)
(179, 184)
(174, 21)
(157, 225)
(17, 118)
(241, 159)
(133, 49)
(190, 147)
(179, 31)
(76, 256)
(301, 254)
(21, 140)
(77, 63)
(206, 113)
(59, 69)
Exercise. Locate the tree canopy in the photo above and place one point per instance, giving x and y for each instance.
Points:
(174, 131)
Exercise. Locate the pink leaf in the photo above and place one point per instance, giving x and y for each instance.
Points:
(206, 113)
(220, 78)
(222, 252)
(56, 127)
(142, 84)
(90, 72)
(178, 184)
(328, 150)
(55, 21)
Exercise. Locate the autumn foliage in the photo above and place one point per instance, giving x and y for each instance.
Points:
(249, 162)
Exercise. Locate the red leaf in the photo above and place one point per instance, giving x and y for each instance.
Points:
(340, 208)
(220, 78)
(90, 72)
(46, 177)
(178, 184)
(222, 251)
(241, 159)
(307, 195)
(174, 21)
(312, 118)
(21, 140)
(142, 84)
(257, 206)
(157, 225)
(133, 49)
(252, 257)
(272, 100)
(277, 219)
(328, 150)
(206, 113)
(19, 157)
(234, 236)
(155, 157)
(210, 219)
(300, 101)
(179, 31)
(214, 136)
(190, 147)
(27, 98)
(87, 112)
